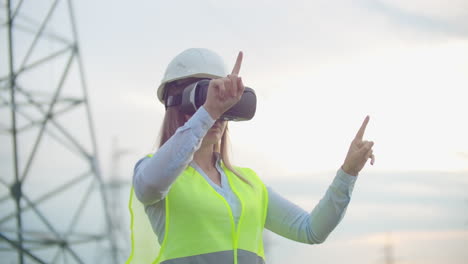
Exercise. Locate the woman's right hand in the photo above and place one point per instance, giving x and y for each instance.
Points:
(223, 93)
(359, 152)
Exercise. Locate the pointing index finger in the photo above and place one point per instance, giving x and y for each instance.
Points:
(360, 133)
(237, 66)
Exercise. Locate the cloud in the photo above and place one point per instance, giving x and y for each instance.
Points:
(393, 212)
(444, 18)
(412, 237)
(437, 9)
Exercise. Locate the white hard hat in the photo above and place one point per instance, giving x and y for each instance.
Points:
(195, 62)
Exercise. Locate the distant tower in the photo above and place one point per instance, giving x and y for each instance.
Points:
(464, 155)
(116, 199)
(52, 203)
(388, 251)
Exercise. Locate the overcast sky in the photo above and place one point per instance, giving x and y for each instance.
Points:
(318, 68)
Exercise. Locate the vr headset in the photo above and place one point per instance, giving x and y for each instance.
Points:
(194, 96)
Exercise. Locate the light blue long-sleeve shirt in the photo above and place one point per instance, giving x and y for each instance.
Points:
(153, 178)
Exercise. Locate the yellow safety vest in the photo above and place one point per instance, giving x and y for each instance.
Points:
(199, 227)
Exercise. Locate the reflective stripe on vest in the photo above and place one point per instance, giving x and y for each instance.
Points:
(221, 257)
(200, 226)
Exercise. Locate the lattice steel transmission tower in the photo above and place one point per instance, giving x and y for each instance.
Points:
(53, 207)
(389, 257)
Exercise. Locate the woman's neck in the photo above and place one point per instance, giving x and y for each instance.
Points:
(204, 158)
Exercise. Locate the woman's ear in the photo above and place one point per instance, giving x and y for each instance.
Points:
(187, 117)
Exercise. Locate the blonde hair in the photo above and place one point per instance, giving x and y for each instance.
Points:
(175, 118)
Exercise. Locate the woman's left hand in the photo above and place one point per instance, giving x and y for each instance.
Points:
(359, 152)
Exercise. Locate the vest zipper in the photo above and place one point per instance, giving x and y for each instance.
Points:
(236, 239)
(234, 230)
(233, 227)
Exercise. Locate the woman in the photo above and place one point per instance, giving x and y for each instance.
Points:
(201, 208)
